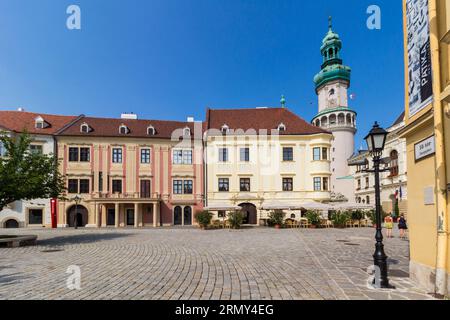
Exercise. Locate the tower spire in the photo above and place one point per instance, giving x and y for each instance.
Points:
(330, 23)
(283, 101)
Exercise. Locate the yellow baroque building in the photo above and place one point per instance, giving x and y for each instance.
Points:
(427, 133)
(264, 159)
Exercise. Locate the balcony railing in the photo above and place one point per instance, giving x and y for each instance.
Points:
(126, 195)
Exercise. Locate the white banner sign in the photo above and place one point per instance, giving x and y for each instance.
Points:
(425, 148)
(419, 55)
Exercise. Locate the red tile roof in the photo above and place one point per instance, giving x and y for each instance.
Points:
(109, 127)
(20, 121)
(260, 118)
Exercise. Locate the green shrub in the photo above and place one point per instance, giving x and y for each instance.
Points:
(357, 215)
(313, 217)
(276, 217)
(235, 218)
(372, 216)
(340, 218)
(203, 218)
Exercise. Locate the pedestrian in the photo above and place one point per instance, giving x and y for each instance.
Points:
(389, 225)
(402, 226)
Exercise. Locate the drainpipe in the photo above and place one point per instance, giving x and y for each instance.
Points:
(441, 184)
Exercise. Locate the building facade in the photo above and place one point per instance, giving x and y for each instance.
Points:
(427, 134)
(41, 128)
(264, 159)
(394, 189)
(334, 115)
(130, 172)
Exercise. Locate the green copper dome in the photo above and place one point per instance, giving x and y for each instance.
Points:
(332, 67)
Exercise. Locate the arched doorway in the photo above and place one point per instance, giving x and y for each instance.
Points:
(187, 216)
(249, 211)
(11, 224)
(79, 213)
(177, 219)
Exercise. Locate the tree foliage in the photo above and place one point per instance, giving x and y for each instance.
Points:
(26, 175)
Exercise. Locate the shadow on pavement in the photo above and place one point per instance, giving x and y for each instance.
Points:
(81, 238)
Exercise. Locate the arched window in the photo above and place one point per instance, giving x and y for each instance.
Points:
(317, 123)
(177, 218)
(151, 131)
(394, 163)
(293, 216)
(367, 200)
(324, 121)
(332, 119)
(84, 128)
(330, 53)
(225, 129)
(123, 129)
(341, 118)
(186, 132)
(281, 127)
(331, 92)
(187, 212)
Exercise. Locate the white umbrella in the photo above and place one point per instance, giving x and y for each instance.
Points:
(313, 205)
(352, 206)
(222, 207)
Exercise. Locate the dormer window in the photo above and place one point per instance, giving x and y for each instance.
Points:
(281, 127)
(123, 129)
(84, 128)
(151, 131)
(40, 123)
(225, 129)
(186, 132)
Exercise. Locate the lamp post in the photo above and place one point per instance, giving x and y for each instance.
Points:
(376, 140)
(77, 200)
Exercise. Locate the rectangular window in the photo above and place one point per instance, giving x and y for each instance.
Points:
(188, 187)
(178, 186)
(316, 154)
(325, 184)
(317, 184)
(117, 186)
(245, 154)
(145, 189)
(36, 149)
(117, 155)
(288, 154)
(177, 157)
(288, 184)
(72, 186)
(221, 214)
(35, 216)
(367, 183)
(85, 154)
(245, 184)
(100, 181)
(73, 154)
(223, 155)
(84, 185)
(224, 184)
(324, 153)
(359, 184)
(145, 156)
(187, 156)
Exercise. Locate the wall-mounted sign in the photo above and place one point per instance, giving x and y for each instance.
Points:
(428, 196)
(419, 55)
(425, 148)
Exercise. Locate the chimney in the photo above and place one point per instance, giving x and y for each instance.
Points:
(190, 119)
(129, 116)
(20, 109)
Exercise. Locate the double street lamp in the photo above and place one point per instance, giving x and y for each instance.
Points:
(376, 140)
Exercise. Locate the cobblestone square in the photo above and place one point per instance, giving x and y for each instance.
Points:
(188, 263)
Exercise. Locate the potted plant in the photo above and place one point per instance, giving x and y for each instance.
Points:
(203, 219)
(340, 219)
(276, 218)
(235, 219)
(313, 217)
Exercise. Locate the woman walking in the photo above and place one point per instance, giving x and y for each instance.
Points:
(402, 226)
(389, 225)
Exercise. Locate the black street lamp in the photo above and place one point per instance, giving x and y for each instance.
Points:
(375, 143)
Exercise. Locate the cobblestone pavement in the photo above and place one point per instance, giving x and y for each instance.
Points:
(171, 263)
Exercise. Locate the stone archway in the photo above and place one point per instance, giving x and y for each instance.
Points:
(80, 213)
(250, 213)
(11, 224)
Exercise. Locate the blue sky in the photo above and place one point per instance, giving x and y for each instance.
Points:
(169, 59)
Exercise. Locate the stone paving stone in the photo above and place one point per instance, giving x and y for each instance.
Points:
(177, 263)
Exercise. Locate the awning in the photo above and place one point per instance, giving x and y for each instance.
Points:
(312, 205)
(275, 205)
(352, 206)
(222, 207)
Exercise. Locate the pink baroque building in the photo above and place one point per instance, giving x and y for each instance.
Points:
(127, 172)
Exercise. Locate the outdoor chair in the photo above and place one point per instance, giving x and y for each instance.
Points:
(304, 223)
(356, 223)
(324, 223)
(349, 224)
